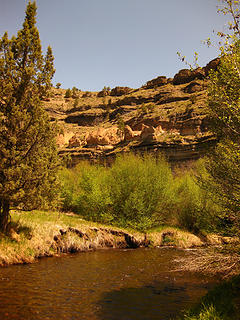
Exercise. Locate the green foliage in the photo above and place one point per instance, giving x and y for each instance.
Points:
(28, 154)
(141, 192)
(219, 304)
(195, 209)
(68, 93)
(93, 200)
(224, 95)
(134, 192)
(222, 180)
(207, 313)
(74, 93)
(224, 112)
(106, 90)
(69, 188)
(58, 85)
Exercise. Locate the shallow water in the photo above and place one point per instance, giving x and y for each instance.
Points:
(106, 284)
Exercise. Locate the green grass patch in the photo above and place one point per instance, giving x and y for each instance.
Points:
(221, 303)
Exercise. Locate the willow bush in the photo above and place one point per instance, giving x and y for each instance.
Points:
(141, 192)
(195, 208)
(134, 192)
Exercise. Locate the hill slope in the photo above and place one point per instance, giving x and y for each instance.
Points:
(165, 115)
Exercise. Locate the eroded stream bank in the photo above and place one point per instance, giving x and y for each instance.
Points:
(41, 234)
(104, 284)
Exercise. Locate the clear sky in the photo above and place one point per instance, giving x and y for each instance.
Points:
(99, 43)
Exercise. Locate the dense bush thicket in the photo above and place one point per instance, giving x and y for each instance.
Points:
(138, 192)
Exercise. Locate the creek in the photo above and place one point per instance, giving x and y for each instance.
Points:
(102, 285)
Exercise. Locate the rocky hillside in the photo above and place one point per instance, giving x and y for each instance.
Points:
(165, 115)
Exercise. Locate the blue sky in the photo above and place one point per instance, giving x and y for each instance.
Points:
(99, 43)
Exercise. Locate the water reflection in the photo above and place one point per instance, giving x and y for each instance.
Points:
(108, 284)
(157, 301)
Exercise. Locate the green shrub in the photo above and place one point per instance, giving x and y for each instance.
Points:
(93, 200)
(195, 208)
(69, 189)
(134, 192)
(68, 93)
(139, 190)
(74, 92)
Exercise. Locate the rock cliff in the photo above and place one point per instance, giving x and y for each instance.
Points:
(164, 115)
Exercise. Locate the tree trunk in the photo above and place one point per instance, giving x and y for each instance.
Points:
(4, 214)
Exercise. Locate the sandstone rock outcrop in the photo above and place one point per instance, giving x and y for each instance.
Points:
(186, 75)
(212, 65)
(148, 134)
(119, 91)
(193, 87)
(74, 142)
(176, 123)
(63, 139)
(157, 82)
(128, 133)
(103, 136)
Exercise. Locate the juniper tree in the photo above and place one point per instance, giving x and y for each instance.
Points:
(28, 154)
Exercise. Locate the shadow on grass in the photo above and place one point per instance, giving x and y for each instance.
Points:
(20, 229)
(221, 303)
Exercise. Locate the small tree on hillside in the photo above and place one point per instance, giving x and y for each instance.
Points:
(68, 93)
(28, 154)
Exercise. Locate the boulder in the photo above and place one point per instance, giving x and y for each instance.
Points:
(159, 130)
(186, 75)
(147, 133)
(157, 82)
(74, 142)
(212, 65)
(63, 138)
(194, 86)
(104, 137)
(119, 91)
(128, 133)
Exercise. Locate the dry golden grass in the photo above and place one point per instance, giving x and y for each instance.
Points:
(174, 237)
(214, 262)
(40, 234)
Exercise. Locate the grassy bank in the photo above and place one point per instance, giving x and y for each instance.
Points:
(40, 234)
(221, 303)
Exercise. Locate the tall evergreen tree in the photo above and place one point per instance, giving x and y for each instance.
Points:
(28, 154)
